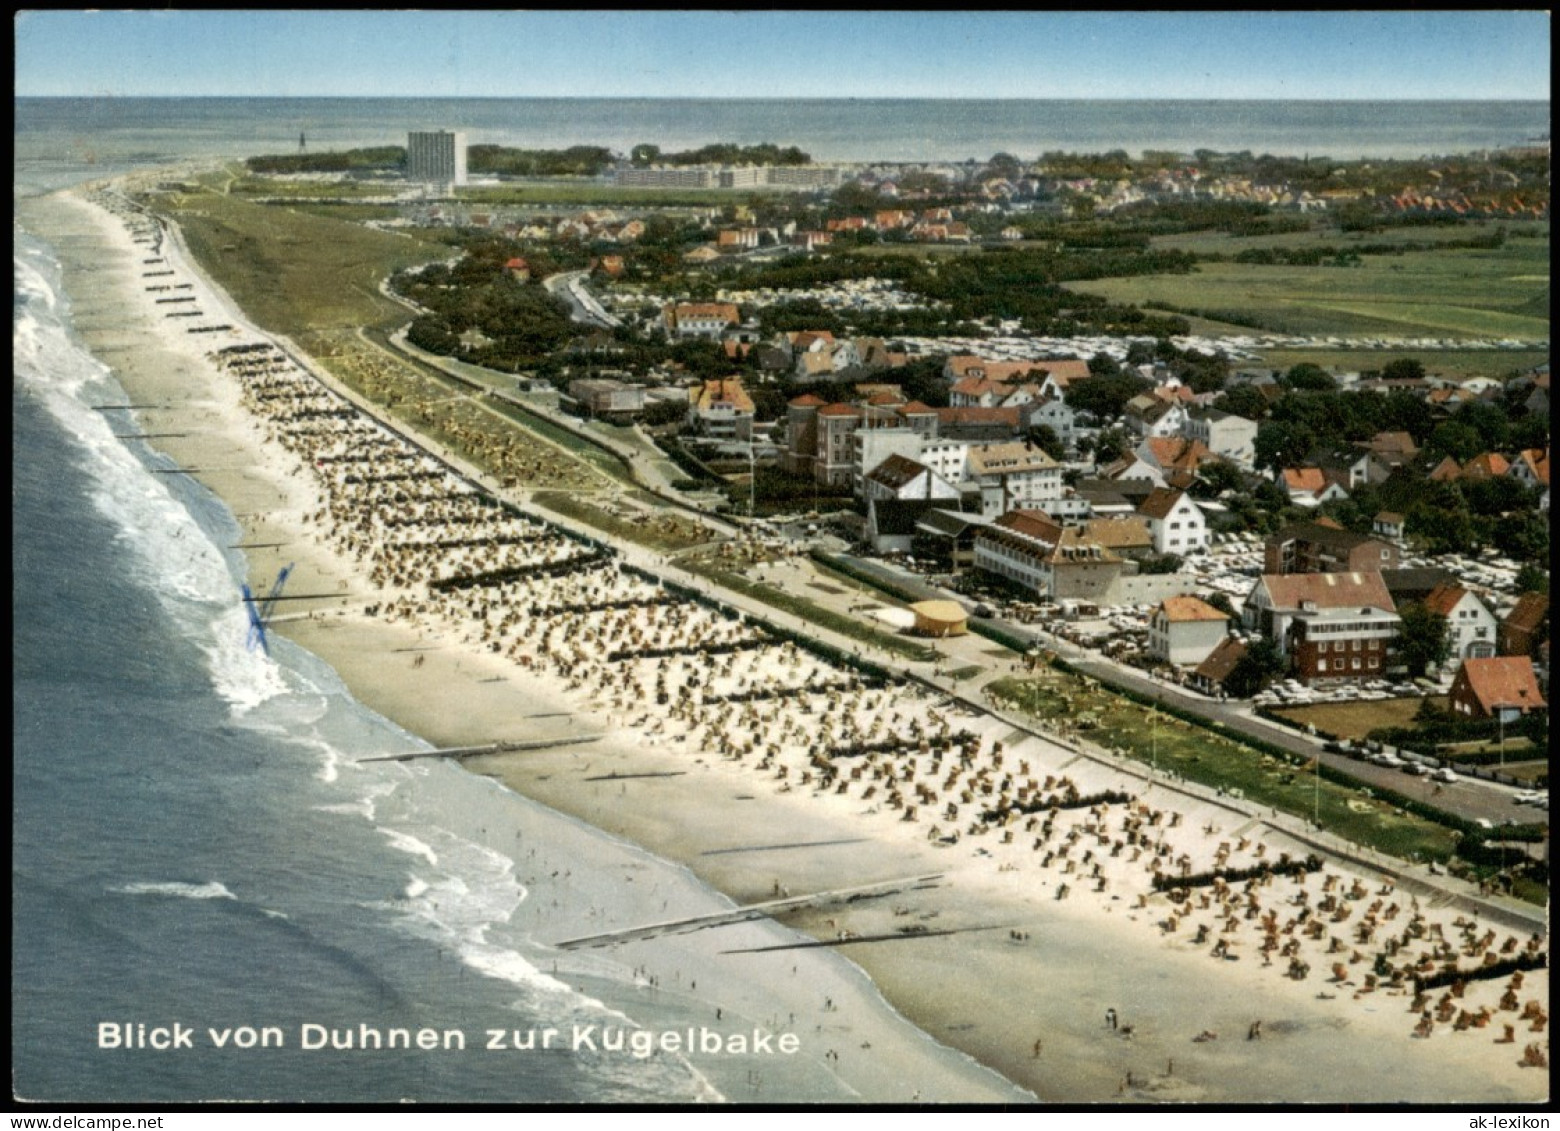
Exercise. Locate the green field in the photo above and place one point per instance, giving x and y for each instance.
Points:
(1466, 363)
(1456, 293)
(1223, 243)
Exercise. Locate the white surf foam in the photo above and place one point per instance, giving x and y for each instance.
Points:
(410, 844)
(212, 890)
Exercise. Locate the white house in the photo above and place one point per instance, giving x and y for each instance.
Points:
(900, 478)
(1185, 630)
(1227, 435)
(1176, 523)
(1055, 414)
(1470, 626)
(1310, 486)
(1013, 476)
(1148, 415)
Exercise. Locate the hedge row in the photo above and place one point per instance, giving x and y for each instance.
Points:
(994, 632)
(690, 463)
(843, 565)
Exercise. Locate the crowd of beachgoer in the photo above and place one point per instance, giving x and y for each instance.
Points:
(673, 671)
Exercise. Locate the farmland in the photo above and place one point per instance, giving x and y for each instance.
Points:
(1451, 293)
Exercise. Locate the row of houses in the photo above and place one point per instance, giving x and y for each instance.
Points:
(1343, 627)
(1335, 473)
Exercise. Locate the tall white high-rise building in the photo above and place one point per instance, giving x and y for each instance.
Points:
(436, 157)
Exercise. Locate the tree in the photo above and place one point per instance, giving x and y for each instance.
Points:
(1160, 563)
(1308, 376)
(1111, 444)
(1252, 672)
(1105, 397)
(1046, 439)
(1454, 438)
(1404, 369)
(1489, 422)
(1280, 445)
(1522, 537)
(1222, 602)
(1003, 165)
(1532, 578)
(1422, 638)
(1103, 364)
(1216, 476)
(1403, 411)
(1243, 400)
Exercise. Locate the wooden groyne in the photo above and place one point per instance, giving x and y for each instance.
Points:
(767, 909)
(488, 748)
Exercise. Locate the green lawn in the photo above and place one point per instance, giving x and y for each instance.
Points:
(1356, 720)
(1457, 293)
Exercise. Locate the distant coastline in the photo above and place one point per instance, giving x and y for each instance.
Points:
(835, 130)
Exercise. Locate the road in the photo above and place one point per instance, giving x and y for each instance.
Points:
(583, 306)
(1470, 798)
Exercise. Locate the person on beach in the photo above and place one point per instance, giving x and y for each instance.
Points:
(1110, 1019)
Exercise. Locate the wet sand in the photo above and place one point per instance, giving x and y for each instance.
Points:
(989, 961)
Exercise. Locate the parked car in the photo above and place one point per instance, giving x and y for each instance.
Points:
(1414, 770)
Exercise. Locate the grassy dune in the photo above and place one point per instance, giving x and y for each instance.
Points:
(293, 272)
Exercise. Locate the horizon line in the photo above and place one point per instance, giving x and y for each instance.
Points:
(788, 98)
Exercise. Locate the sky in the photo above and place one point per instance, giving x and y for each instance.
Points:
(800, 54)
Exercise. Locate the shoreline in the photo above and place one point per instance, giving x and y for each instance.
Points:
(1075, 961)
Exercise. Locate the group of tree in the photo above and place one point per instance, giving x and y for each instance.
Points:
(383, 157)
(576, 161)
(720, 153)
(517, 324)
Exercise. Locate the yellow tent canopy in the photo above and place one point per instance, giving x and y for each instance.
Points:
(940, 618)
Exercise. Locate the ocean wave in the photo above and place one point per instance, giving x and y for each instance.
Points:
(211, 890)
(405, 842)
(244, 677)
(194, 580)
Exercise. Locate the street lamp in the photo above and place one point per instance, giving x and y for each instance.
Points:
(752, 480)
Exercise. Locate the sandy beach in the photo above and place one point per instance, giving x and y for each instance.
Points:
(1044, 951)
